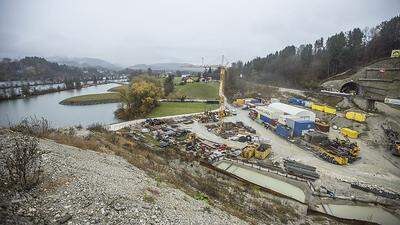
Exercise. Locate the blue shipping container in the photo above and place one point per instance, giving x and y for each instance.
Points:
(300, 126)
(255, 100)
(296, 101)
(265, 119)
(283, 131)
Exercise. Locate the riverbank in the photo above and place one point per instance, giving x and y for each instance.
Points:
(92, 99)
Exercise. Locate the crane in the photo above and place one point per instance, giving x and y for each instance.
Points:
(221, 111)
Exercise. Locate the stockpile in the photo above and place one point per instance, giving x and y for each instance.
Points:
(231, 129)
(376, 190)
(208, 117)
(394, 140)
(300, 169)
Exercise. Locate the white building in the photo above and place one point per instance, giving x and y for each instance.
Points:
(292, 111)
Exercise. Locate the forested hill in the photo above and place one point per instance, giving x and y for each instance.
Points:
(306, 65)
(37, 68)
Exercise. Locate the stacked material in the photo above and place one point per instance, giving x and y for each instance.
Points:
(300, 169)
(376, 190)
(321, 126)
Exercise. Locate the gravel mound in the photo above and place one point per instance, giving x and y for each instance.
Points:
(86, 187)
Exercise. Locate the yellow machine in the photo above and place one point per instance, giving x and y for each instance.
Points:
(248, 151)
(339, 160)
(262, 151)
(259, 151)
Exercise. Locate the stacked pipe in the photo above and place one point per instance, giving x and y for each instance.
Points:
(301, 170)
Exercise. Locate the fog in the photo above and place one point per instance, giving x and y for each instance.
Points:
(152, 31)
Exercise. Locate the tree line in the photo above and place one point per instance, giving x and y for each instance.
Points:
(305, 66)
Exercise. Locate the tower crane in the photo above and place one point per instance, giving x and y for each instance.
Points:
(221, 111)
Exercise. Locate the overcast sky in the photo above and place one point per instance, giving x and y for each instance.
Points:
(150, 31)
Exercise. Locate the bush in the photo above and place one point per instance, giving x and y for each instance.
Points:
(96, 127)
(20, 162)
(33, 126)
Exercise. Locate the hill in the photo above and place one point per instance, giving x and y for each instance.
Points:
(168, 67)
(38, 68)
(305, 66)
(83, 62)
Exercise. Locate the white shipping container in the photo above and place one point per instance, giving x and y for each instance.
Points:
(273, 100)
(308, 104)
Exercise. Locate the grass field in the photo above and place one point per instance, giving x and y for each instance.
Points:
(177, 108)
(92, 99)
(196, 90)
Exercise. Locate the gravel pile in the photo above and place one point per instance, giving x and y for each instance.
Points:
(86, 187)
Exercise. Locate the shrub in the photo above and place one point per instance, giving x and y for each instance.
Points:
(201, 196)
(33, 126)
(96, 127)
(20, 162)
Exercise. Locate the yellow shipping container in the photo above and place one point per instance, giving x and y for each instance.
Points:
(330, 110)
(317, 107)
(239, 102)
(349, 133)
(360, 117)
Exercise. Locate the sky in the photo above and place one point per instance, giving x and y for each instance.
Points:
(129, 32)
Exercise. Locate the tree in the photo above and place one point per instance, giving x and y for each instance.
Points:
(139, 99)
(168, 85)
(149, 71)
(25, 90)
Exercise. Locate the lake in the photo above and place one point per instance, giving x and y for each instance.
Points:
(60, 115)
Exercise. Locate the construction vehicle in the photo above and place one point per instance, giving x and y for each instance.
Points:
(259, 151)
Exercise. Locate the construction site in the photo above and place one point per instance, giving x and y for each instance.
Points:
(333, 158)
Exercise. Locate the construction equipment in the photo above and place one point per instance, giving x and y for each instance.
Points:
(394, 140)
(259, 151)
(221, 112)
(248, 151)
(262, 151)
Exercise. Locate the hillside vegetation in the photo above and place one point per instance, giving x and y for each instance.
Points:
(306, 65)
(37, 68)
